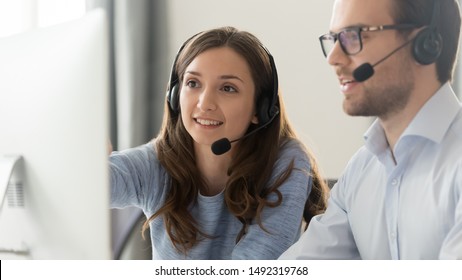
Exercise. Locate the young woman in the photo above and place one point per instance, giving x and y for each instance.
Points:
(245, 199)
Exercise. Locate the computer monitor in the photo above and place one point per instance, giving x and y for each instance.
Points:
(54, 116)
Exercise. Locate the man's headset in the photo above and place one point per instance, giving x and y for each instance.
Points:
(426, 47)
(267, 103)
(428, 43)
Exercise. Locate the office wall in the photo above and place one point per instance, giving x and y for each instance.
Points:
(290, 30)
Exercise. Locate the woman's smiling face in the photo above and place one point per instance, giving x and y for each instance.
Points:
(217, 96)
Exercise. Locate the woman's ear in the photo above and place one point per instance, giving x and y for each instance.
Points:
(255, 119)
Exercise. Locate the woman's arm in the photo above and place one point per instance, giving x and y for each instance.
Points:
(133, 175)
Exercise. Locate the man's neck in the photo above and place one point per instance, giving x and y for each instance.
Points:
(394, 124)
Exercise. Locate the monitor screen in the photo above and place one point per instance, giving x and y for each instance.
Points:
(54, 118)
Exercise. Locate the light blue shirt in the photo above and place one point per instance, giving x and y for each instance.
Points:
(138, 179)
(408, 210)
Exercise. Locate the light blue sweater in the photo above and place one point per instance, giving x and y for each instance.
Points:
(138, 179)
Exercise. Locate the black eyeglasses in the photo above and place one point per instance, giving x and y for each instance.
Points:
(350, 38)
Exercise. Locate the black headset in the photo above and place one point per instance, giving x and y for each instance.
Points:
(428, 43)
(267, 103)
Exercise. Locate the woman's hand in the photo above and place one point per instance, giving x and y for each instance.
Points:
(109, 147)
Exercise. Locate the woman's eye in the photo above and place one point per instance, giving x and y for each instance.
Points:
(192, 84)
(229, 89)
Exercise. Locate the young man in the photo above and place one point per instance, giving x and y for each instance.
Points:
(401, 194)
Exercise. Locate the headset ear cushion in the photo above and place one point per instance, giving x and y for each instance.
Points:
(427, 46)
(173, 99)
(262, 107)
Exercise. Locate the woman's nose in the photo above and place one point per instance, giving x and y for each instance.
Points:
(207, 100)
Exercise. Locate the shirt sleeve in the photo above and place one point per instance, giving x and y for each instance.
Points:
(452, 245)
(328, 235)
(132, 175)
(282, 223)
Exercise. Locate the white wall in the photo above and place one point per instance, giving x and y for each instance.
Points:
(290, 30)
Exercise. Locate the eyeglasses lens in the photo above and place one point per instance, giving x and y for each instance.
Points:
(350, 41)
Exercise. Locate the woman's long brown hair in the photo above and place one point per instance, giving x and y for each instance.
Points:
(246, 191)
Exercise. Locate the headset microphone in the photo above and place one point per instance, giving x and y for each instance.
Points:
(223, 145)
(366, 70)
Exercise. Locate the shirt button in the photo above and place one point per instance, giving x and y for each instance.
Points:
(394, 182)
(393, 235)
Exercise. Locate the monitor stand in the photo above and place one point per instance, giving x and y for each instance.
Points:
(12, 201)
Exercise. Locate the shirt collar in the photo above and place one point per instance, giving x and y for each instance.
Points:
(375, 138)
(434, 118)
(431, 122)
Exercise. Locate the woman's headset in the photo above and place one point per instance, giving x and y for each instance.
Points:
(267, 103)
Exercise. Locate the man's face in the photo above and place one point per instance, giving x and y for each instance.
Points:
(388, 90)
